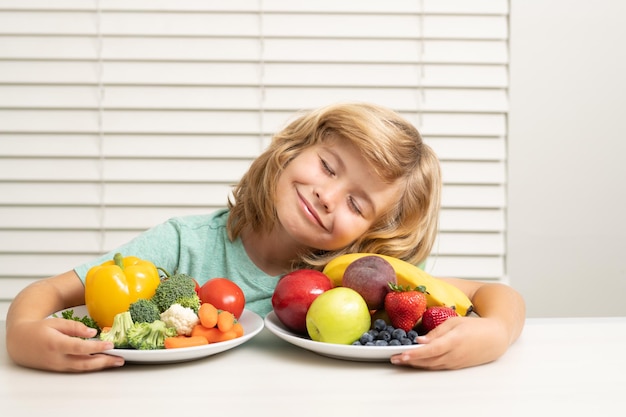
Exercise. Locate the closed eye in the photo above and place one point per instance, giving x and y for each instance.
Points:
(354, 207)
(327, 167)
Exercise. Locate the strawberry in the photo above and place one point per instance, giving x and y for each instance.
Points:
(434, 316)
(405, 305)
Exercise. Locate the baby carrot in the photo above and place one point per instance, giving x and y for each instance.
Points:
(238, 329)
(228, 335)
(213, 335)
(225, 320)
(207, 314)
(175, 342)
(200, 330)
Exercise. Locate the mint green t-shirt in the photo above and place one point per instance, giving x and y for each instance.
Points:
(199, 246)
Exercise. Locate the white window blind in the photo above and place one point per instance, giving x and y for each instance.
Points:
(116, 115)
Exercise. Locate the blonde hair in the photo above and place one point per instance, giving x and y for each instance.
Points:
(389, 143)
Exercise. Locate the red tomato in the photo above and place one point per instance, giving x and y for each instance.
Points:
(224, 295)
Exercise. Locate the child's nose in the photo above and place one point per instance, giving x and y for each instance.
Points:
(325, 199)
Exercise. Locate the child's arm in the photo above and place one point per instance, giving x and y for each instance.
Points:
(35, 341)
(462, 342)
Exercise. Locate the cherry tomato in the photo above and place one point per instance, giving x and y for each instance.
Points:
(224, 295)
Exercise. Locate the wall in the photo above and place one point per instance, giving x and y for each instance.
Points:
(566, 228)
(565, 199)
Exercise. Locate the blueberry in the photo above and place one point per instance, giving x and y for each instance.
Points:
(356, 343)
(398, 334)
(390, 329)
(412, 334)
(381, 343)
(406, 341)
(394, 342)
(369, 344)
(366, 337)
(374, 333)
(379, 324)
(384, 335)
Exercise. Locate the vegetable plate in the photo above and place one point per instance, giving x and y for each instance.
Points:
(252, 324)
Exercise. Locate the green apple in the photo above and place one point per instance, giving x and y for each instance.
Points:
(339, 315)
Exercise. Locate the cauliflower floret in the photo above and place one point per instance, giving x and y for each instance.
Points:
(181, 318)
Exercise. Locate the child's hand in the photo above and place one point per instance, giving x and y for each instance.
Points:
(55, 344)
(459, 342)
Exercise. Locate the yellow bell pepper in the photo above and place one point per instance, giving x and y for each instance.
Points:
(113, 286)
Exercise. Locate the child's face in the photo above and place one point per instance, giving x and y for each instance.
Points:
(328, 196)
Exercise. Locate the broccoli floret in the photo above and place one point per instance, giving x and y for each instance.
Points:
(192, 302)
(147, 336)
(172, 289)
(118, 333)
(144, 311)
(86, 320)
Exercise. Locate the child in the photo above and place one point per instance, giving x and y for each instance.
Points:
(344, 178)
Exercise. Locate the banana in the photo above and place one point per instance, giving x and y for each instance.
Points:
(438, 292)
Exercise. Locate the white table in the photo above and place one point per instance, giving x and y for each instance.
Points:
(571, 366)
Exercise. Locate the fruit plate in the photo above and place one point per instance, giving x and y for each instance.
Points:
(252, 325)
(345, 352)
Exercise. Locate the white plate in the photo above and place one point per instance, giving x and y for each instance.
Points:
(252, 324)
(346, 352)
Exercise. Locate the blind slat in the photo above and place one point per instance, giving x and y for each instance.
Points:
(138, 170)
(134, 217)
(480, 149)
(57, 193)
(215, 98)
(472, 267)
(379, 50)
(238, 49)
(133, 194)
(211, 24)
(486, 172)
(474, 196)
(468, 244)
(363, 6)
(130, 146)
(247, 74)
(89, 241)
(39, 265)
(221, 122)
(166, 170)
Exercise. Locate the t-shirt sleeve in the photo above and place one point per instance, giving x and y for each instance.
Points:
(159, 245)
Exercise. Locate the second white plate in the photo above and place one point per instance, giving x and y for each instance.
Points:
(345, 352)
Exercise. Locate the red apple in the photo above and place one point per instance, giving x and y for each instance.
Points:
(294, 294)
